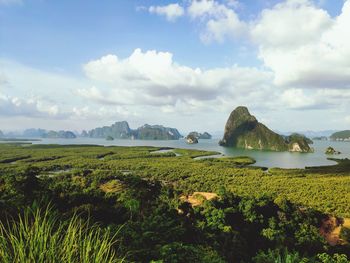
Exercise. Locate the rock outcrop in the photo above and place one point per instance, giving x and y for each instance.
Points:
(330, 150)
(121, 130)
(243, 130)
(298, 143)
(156, 132)
(202, 136)
(118, 130)
(191, 139)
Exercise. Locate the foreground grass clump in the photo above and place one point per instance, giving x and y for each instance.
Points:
(38, 236)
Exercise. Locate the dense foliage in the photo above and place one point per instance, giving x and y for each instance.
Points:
(137, 196)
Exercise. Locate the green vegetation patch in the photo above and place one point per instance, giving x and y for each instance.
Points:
(134, 195)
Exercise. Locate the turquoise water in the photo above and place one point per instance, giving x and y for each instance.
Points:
(263, 158)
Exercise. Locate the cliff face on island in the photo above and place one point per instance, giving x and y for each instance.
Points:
(121, 130)
(243, 130)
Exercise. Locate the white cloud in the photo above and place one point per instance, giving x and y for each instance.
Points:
(200, 8)
(221, 21)
(153, 78)
(290, 24)
(297, 40)
(347, 120)
(297, 99)
(104, 113)
(14, 106)
(171, 11)
(304, 46)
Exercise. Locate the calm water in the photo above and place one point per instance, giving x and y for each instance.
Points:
(263, 158)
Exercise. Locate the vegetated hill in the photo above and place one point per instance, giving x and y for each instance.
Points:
(243, 130)
(341, 136)
(198, 135)
(297, 137)
(156, 132)
(59, 135)
(121, 130)
(312, 134)
(118, 130)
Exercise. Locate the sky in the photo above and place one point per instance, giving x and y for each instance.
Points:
(186, 64)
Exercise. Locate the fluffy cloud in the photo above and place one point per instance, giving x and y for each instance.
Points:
(171, 11)
(14, 106)
(304, 46)
(153, 78)
(221, 21)
(290, 24)
(297, 40)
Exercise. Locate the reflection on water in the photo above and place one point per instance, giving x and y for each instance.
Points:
(263, 158)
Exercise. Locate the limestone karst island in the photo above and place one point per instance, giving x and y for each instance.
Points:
(243, 130)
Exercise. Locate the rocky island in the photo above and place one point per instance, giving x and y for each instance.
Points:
(243, 130)
(191, 139)
(330, 150)
(122, 130)
(202, 136)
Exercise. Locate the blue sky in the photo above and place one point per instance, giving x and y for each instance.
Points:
(197, 63)
(64, 34)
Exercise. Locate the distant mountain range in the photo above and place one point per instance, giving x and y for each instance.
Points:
(313, 134)
(39, 133)
(118, 130)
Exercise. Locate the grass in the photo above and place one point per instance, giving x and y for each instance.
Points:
(38, 236)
